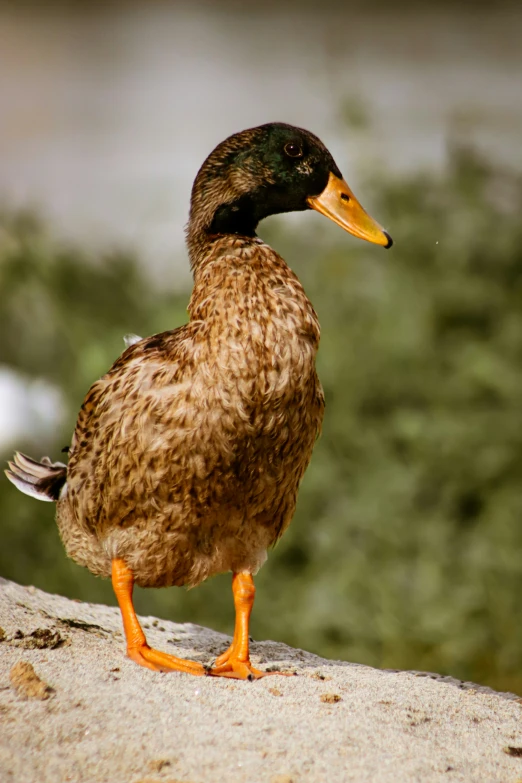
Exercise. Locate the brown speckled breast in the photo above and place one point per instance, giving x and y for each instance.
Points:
(188, 453)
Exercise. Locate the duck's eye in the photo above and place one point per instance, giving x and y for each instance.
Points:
(293, 150)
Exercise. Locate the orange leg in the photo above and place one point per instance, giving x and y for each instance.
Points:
(137, 648)
(235, 662)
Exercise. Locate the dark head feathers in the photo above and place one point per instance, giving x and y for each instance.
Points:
(261, 171)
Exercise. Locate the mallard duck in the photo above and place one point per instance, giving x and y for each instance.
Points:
(187, 455)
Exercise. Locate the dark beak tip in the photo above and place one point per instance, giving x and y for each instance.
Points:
(390, 240)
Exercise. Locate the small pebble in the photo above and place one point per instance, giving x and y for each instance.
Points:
(27, 683)
(330, 698)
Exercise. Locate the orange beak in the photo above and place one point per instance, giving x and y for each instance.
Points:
(339, 204)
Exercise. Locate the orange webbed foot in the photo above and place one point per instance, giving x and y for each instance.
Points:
(137, 648)
(238, 670)
(163, 662)
(235, 661)
(229, 665)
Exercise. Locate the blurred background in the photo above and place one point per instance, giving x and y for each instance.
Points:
(406, 548)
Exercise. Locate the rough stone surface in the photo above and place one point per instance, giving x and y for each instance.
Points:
(106, 719)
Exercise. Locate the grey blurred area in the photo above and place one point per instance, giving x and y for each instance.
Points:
(405, 551)
(108, 109)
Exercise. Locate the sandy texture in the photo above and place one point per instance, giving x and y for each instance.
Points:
(106, 719)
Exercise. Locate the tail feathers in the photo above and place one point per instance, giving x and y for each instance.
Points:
(42, 480)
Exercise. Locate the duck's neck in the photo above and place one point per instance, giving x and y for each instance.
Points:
(205, 249)
(224, 229)
(236, 217)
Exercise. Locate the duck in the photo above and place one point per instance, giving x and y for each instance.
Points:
(188, 453)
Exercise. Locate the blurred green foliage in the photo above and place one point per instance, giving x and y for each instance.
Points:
(406, 548)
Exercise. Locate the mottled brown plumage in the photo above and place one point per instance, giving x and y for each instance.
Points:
(187, 455)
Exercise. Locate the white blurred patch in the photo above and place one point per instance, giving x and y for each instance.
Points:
(131, 339)
(28, 408)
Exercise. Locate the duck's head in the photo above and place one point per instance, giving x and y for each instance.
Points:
(271, 169)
